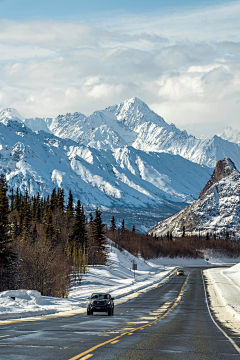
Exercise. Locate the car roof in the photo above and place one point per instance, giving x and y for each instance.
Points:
(100, 294)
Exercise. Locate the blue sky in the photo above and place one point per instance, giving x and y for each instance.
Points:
(181, 59)
(78, 10)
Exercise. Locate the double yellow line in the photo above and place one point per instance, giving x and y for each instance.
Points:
(86, 354)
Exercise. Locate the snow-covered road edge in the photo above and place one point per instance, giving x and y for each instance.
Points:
(216, 280)
(48, 314)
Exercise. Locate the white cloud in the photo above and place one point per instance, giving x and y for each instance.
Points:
(185, 66)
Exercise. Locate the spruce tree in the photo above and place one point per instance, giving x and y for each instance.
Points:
(70, 210)
(98, 235)
(168, 236)
(183, 231)
(12, 201)
(113, 224)
(78, 237)
(133, 228)
(54, 200)
(60, 200)
(37, 216)
(7, 256)
(123, 226)
(77, 243)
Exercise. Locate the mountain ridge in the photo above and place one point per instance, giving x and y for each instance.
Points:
(133, 123)
(217, 210)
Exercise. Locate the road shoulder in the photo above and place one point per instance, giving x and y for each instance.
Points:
(224, 298)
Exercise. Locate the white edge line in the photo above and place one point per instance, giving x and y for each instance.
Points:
(231, 340)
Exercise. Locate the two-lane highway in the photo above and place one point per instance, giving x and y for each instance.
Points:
(169, 322)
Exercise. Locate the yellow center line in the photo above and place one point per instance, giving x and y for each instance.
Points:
(85, 357)
(114, 342)
(79, 357)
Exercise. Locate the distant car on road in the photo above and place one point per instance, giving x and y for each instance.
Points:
(99, 302)
(180, 272)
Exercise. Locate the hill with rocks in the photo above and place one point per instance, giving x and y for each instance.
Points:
(217, 210)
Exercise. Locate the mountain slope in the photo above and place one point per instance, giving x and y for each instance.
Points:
(132, 123)
(216, 211)
(125, 177)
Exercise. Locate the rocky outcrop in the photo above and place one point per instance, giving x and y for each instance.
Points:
(217, 209)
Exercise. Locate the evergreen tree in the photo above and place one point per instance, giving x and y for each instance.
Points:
(183, 231)
(227, 236)
(37, 216)
(133, 228)
(113, 224)
(60, 200)
(98, 233)
(17, 201)
(70, 210)
(26, 214)
(77, 243)
(12, 201)
(167, 236)
(123, 226)
(54, 200)
(7, 256)
(78, 237)
(15, 229)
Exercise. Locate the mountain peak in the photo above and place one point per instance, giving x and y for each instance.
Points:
(223, 168)
(230, 134)
(10, 113)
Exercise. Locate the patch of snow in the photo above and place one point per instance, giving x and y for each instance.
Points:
(117, 278)
(225, 284)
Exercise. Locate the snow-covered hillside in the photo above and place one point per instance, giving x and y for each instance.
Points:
(125, 156)
(123, 178)
(216, 211)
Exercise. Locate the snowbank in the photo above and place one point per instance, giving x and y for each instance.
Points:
(117, 278)
(226, 284)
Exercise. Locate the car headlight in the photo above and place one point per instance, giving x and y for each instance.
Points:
(90, 303)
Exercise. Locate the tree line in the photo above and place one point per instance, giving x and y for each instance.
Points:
(44, 241)
(148, 246)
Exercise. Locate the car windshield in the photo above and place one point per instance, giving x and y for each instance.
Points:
(100, 296)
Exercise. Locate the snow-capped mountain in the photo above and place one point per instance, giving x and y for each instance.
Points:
(10, 113)
(124, 156)
(230, 134)
(123, 177)
(217, 209)
(132, 123)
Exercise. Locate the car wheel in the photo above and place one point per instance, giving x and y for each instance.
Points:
(110, 312)
(88, 312)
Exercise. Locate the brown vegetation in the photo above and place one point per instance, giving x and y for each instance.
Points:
(188, 246)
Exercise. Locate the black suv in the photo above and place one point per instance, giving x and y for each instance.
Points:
(100, 303)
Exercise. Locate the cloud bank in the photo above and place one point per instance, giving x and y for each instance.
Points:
(185, 66)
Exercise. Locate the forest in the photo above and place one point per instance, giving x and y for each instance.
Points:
(47, 243)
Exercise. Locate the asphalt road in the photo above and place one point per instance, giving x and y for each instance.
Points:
(169, 322)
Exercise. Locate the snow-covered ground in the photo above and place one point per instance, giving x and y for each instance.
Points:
(116, 278)
(224, 287)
